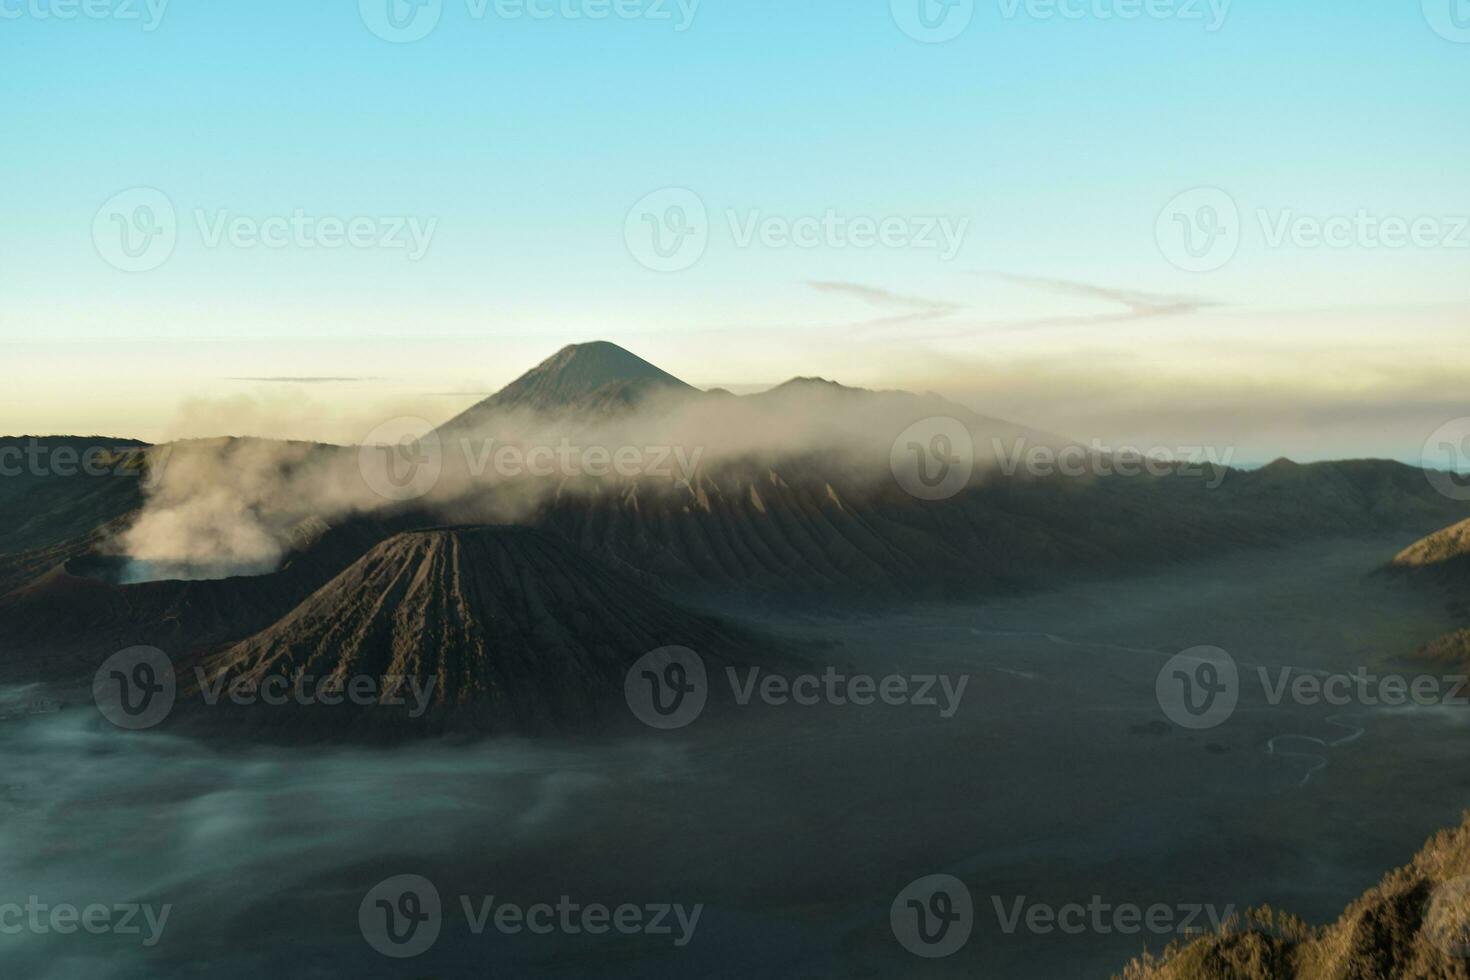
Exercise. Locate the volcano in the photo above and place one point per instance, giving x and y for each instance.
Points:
(516, 629)
(580, 379)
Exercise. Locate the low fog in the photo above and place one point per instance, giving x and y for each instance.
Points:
(229, 506)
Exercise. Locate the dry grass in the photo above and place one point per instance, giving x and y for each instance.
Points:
(1415, 925)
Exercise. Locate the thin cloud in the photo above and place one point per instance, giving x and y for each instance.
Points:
(909, 309)
(305, 381)
(1137, 305)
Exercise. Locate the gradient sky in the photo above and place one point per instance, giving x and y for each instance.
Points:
(1060, 139)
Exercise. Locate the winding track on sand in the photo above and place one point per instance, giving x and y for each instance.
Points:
(1318, 762)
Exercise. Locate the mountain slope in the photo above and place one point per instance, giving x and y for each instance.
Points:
(1415, 925)
(516, 629)
(1445, 554)
(1443, 561)
(57, 487)
(578, 379)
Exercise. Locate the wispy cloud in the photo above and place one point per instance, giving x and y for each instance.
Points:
(907, 309)
(305, 381)
(1138, 305)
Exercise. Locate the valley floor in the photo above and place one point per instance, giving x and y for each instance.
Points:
(1058, 779)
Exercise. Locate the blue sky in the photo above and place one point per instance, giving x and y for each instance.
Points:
(1057, 139)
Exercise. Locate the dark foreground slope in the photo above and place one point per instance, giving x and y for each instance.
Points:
(53, 488)
(1415, 925)
(508, 629)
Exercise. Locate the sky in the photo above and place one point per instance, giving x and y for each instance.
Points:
(1156, 222)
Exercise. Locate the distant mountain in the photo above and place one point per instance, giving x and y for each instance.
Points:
(580, 378)
(518, 630)
(1415, 925)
